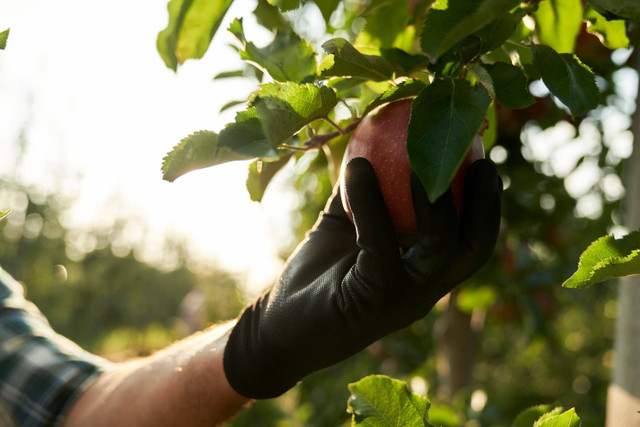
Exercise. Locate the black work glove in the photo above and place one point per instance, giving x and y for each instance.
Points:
(345, 287)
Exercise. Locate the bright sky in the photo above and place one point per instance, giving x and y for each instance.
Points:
(101, 110)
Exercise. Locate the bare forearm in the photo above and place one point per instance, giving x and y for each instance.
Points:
(184, 384)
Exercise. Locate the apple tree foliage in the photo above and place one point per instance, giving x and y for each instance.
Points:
(461, 60)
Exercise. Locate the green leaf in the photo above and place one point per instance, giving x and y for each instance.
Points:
(377, 400)
(612, 34)
(232, 104)
(498, 31)
(4, 213)
(566, 419)
(407, 89)
(567, 78)
(261, 173)
(449, 21)
(490, 134)
(470, 298)
(229, 74)
(385, 21)
(344, 60)
(287, 107)
(607, 258)
(270, 17)
(445, 118)
(529, 416)
(3, 38)
(197, 151)
(404, 63)
(505, 83)
(286, 58)
(285, 4)
(192, 25)
(558, 23)
(246, 137)
(618, 9)
(327, 7)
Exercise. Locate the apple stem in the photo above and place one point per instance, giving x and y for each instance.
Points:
(335, 125)
(317, 141)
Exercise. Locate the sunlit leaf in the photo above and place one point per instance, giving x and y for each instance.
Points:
(445, 118)
(344, 60)
(490, 134)
(558, 23)
(287, 58)
(567, 78)
(198, 150)
(529, 416)
(246, 136)
(287, 107)
(385, 20)
(607, 258)
(618, 9)
(232, 104)
(612, 34)
(192, 25)
(505, 83)
(449, 21)
(377, 400)
(4, 213)
(407, 89)
(566, 419)
(261, 173)
(4, 35)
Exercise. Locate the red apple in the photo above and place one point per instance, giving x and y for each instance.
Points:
(381, 138)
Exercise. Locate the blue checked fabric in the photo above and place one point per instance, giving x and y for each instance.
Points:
(41, 372)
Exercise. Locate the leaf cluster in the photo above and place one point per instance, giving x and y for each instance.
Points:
(459, 59)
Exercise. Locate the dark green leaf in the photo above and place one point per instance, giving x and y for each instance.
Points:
(558, 23)
(229, 74)
(344, 60)
(450, 21)
(618, 9)
(612, 34)
(3, 38)
(270, 17)
(4, 213)
(566, 419)
(385, 21)
(403, 62)
(327, 7)
(232, 104)
(407, 89)
(505, 83)
(192, 25)
(286, 107)
(607, 258)
(529, 416)
(567, 78)
(445, 118)
(260, 174)
(498, 31)
(246, 137)
(197, 151)
(286, 58)
(377, 400)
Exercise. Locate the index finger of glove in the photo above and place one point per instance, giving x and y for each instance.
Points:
(374, 229)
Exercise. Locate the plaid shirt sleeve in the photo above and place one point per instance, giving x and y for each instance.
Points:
(41, 372)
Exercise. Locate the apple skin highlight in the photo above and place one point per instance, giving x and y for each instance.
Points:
(381, 138)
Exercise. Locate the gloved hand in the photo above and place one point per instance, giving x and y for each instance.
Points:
(345, 287)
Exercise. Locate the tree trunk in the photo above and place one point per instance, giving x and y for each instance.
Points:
(456, 337)
(623, 400)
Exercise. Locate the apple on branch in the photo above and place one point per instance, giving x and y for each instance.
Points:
(381, 138)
